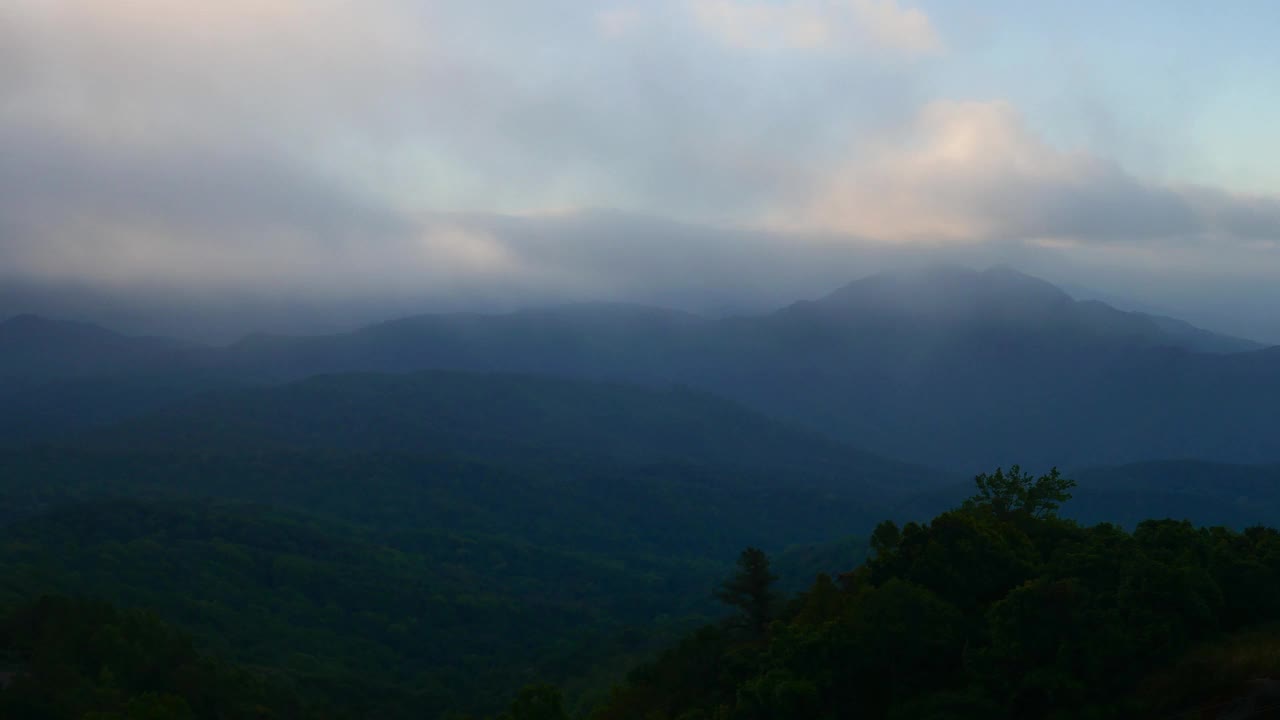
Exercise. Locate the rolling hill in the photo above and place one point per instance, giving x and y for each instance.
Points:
(443, 531)
(947, 367)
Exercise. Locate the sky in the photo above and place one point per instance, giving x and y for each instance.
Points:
(266, 164)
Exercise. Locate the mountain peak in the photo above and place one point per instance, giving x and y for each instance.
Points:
(954, 299)
(33, 346)
(945, 291)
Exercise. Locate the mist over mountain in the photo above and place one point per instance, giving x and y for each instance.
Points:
(621, 360)
(33, 348)
(947, 366)
(942, 302)
(539, 526)
(604, 255)
(534, 419)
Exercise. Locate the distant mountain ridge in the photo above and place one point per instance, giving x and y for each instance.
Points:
(466, 501)
(34, 348)
(993, 297)
(515, 521)
(1003, 299)
(945, 366)
(447, 414)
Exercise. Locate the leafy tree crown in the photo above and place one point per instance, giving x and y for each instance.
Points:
(1019, 493)
(751, 588)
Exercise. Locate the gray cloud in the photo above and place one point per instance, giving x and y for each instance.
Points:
(609, 255)
(398, 155)
(973, 172)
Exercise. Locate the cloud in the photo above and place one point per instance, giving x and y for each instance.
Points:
(415, 107)
(620, 20)
(974, 172)
(335, 148)
(848, 25)
(148, 68)
(1247, 217)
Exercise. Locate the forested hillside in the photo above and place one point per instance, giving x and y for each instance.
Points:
(947, 367)
(517, 418)
(638, 360)
(400, 624)
(74, 659)
(425, 543)
(996, 609)
(1235, 496)
(428, 542)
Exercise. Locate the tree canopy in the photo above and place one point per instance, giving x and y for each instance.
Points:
(1016, 492)
(997, 609)
(751, 589)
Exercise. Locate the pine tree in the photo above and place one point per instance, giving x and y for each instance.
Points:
(751, 589)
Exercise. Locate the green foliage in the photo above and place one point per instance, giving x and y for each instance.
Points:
(394, 623)
(886, 538)
(1021, 493)
(541, 528)
(751, 589)
(996, 610)
(537, 702)
(425, 543)
(85, 660)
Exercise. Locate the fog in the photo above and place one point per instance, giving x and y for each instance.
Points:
(288, 166)
(611, 256)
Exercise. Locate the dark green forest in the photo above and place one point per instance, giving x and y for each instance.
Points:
(84, 659)
(996, 608)
(402, 620)
(426, 545)
(419, 544)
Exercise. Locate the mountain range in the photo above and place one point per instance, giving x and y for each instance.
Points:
(946, 366)
(405, 544)
(399, 519)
